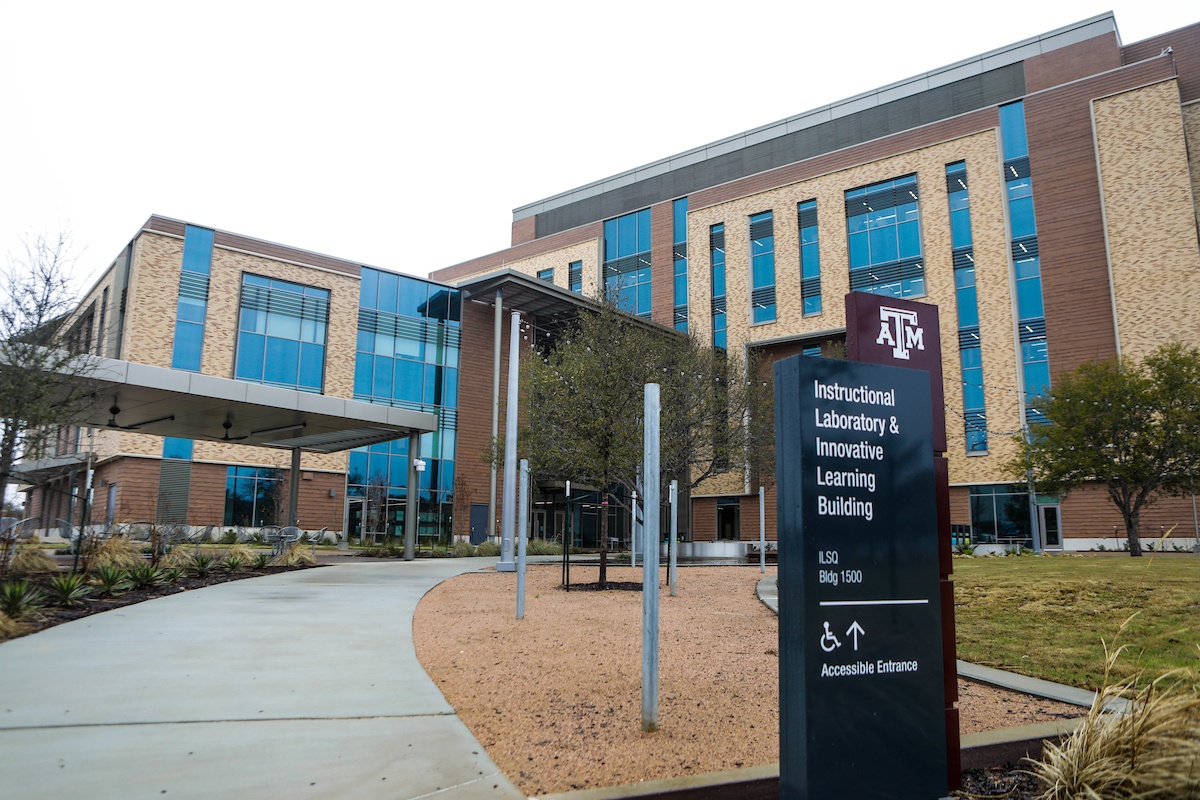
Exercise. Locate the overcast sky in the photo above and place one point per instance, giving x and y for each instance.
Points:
(402, 135)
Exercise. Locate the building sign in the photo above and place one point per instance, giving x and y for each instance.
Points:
(860, 657)
(901, 333)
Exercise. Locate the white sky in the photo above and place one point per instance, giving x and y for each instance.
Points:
(402, 135)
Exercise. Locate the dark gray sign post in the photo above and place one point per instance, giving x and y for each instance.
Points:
(860, 656)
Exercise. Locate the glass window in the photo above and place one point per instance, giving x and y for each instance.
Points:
(295, 319)
(1012, 131)
(627, 262)
(177, 448)
(546, 275)
(884, 237)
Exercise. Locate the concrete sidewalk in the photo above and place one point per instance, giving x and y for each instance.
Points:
(300, 684)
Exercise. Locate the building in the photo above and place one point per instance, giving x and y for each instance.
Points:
(1043, 195)
(223, 341)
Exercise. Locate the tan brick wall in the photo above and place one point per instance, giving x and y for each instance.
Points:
(1191, 133)
(153, 295)
(1151, 217)
(559, 260)
(992, 275)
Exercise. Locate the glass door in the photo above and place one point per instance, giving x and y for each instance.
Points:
(1048, 519)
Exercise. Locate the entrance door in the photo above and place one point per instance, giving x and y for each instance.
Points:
(479, 518)
(1048, 519)
(538, 528)
(727, 519)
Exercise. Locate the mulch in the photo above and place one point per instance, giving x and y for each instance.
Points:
(50, 616)
(1009, 782)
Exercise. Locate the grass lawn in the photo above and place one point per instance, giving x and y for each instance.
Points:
(1049, 616)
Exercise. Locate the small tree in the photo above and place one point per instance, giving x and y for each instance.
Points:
(43, 376)
(1134, 427)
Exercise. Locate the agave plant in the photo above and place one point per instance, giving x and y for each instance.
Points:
(110, 580)
(20, 598)
(145, 576)
(68, 589)
(203, 565)
(234, 562)
(261, 561)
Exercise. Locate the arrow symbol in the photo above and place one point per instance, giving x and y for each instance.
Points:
(855, 630)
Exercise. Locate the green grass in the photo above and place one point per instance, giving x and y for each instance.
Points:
(1048, 617)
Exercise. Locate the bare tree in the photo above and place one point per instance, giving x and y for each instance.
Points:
(43, 374)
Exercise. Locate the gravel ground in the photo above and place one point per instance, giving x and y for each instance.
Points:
(556, 698)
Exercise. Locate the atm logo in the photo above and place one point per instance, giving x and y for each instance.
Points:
(898, 329)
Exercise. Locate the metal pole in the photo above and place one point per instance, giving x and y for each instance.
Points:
(567, 540)
(762, 530)
(523, 534)
(1034, 528)
(633, 529)
(650, 538)
(293, 517)
(510, 447)
(412, 498)
(674, 535)
(498, 324)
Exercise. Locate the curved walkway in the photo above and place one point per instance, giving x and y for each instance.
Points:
(301, 684)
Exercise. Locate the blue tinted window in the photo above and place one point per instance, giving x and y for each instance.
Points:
(382, 385)
(1012, 131)
(362, 374)
(884, 238)
(189, 345)
(389, 285)
(250, 357)
(546, 275)
(1029, 299)
(409, 381)
(1021, 219)
(413, 295)
(679, 219)
(177, 448)
(627, 262)
(197, 250)
(295, 319)
(368, 290)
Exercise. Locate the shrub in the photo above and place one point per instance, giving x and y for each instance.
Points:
(20, 598)
(228, 537)
(110, 580)
(966, 549)
(542, 547)
(30, 560)
(463, 549)
(68, 589)
(233, 562)
(145, 576)
(489, 547)
(260, 561)
(9, 627)
(120, 552)
(242, 551)
(297, 555)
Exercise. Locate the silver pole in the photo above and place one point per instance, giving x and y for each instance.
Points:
(650, 539)
(674, 535)
(523, 534)
(498, 324)
(633, 528)
(508, 504)
(762, 530)
(293, 517)
(412, 497)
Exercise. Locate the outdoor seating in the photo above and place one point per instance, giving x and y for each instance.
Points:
(287, 536)
(200, 534)
(270, 535)
(317, 537)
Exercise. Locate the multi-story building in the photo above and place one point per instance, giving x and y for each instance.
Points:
(1043, 195)
(222, 340)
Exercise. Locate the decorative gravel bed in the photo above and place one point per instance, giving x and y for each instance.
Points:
(556, 698)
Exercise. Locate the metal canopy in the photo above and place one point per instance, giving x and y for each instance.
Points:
(170, 402)
(550, 305)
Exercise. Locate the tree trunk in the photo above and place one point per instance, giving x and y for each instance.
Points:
(604, 540)
(1131, 532)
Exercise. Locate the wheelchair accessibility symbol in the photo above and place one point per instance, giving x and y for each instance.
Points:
(829, 642)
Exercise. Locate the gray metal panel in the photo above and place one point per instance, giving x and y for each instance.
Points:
(174, 489)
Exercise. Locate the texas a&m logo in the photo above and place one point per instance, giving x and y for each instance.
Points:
(899, 330)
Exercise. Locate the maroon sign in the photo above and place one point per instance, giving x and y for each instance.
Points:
(899, 333)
